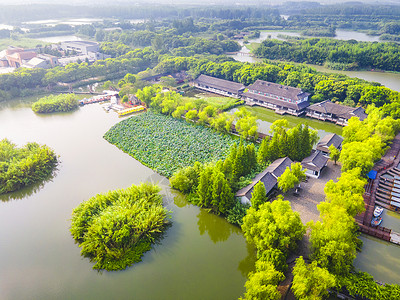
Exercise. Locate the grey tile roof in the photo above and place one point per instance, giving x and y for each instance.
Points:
(221, 84)
(278, 89)
(295, 106)
(341, 111)
(269, 177)
(269, 182)
(329, 139)
(315, 162)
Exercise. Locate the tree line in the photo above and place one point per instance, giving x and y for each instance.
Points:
(341, 54)
(200, 112)
(334, 239)
(323, 86)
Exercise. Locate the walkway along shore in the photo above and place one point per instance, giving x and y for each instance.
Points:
(388, 163)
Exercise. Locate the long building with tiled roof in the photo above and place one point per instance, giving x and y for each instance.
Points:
(336, 113)
(281, 98)
(219, 86)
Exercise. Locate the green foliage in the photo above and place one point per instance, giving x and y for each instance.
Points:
(311, 282)
(347, 192)
(296, 143)
(115, 229)
(273, 226)
(291, 176)
(20, 167)
(236, 213)
(259, 195)
(246, 124)
(334, 153)
(334, 240)
(166, 144)
(186, 179)
(363, 285)
(58, 103)
(323, 86)
(262, 284)
(364, 142)
(383, 56)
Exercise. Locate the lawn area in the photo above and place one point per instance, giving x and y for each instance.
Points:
(221, 102)
(165, 144)
(268, 116)
(252, 46)
(21, 42)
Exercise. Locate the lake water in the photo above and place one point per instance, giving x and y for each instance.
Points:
(80, 21)
(201, 257)
(60, 38)
(340, 35)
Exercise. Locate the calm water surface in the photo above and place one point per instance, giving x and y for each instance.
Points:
(59, 38)
(201, 257)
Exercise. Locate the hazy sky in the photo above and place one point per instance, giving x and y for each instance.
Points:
(85, 2)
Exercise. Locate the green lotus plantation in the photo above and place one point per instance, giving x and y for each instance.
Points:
(115, 229)
(165, 144)
(20, 167)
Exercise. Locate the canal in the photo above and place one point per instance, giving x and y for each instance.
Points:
(201, 257)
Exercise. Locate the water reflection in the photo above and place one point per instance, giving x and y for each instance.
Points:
(217, 228)
(247, 265)
(28, 190)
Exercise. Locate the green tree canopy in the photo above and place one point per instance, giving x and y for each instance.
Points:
(311, 282)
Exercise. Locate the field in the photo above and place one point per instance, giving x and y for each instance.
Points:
(21, 42)
(165, 144)
(221, 102)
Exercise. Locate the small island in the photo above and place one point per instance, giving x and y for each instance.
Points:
(55, 103)
(20, 167)
(115, 229)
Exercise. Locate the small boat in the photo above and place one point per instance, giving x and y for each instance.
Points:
(378, 211)
(376, 221)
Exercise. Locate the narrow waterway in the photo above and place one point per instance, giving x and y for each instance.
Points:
(201, 257)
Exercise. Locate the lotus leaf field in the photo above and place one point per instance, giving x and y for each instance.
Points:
(165, 144)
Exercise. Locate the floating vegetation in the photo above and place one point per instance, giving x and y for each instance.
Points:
(115, 229)
(165, 144)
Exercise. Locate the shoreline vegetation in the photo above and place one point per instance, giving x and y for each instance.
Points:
(21, 167)
(55, 103)
(116, 228)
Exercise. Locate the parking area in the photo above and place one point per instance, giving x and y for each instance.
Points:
(312, 193)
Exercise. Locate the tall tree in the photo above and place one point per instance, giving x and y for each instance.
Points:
(263, 152)
(259, 195)
(204, 189)
(311, 282)
(334, 153)
(262, 284)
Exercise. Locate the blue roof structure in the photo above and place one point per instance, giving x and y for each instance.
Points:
(372, 174)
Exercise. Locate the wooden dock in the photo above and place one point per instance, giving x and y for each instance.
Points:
(379, 191)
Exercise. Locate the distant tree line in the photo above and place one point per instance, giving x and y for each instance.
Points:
(345, 54)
